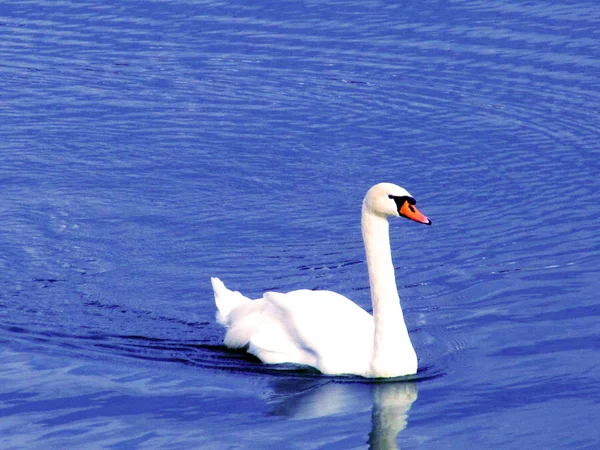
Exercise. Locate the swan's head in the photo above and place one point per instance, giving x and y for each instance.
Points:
(390, 200)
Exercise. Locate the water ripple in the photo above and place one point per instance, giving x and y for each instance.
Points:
(147, 148)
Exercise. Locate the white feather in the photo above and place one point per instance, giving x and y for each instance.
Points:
(324, 329)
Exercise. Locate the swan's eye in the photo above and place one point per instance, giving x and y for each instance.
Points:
(390, 196)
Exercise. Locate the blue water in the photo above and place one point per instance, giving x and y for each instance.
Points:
(146, 146)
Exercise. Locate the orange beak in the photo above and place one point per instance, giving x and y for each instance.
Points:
(411, 212)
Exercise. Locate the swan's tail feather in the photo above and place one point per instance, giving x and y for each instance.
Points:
(226, 300)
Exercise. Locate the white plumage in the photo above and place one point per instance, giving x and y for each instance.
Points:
(324, 329)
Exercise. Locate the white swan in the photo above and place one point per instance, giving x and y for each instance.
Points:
(324, 329)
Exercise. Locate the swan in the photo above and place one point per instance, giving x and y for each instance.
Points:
(324, 329)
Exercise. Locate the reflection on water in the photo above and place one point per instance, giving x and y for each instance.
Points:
(107, 402)
(389, 403)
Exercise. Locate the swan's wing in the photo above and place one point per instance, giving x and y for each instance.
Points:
(317, 328)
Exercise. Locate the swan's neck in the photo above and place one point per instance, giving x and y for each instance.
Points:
(393, 353)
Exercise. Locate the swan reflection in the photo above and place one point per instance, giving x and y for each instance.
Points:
(389, 416)
(389, 403)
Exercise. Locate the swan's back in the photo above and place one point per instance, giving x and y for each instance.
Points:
(322, 329)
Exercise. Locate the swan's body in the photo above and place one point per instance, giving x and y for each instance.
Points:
(324, 329)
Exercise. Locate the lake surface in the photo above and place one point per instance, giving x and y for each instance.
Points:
(149, 145)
